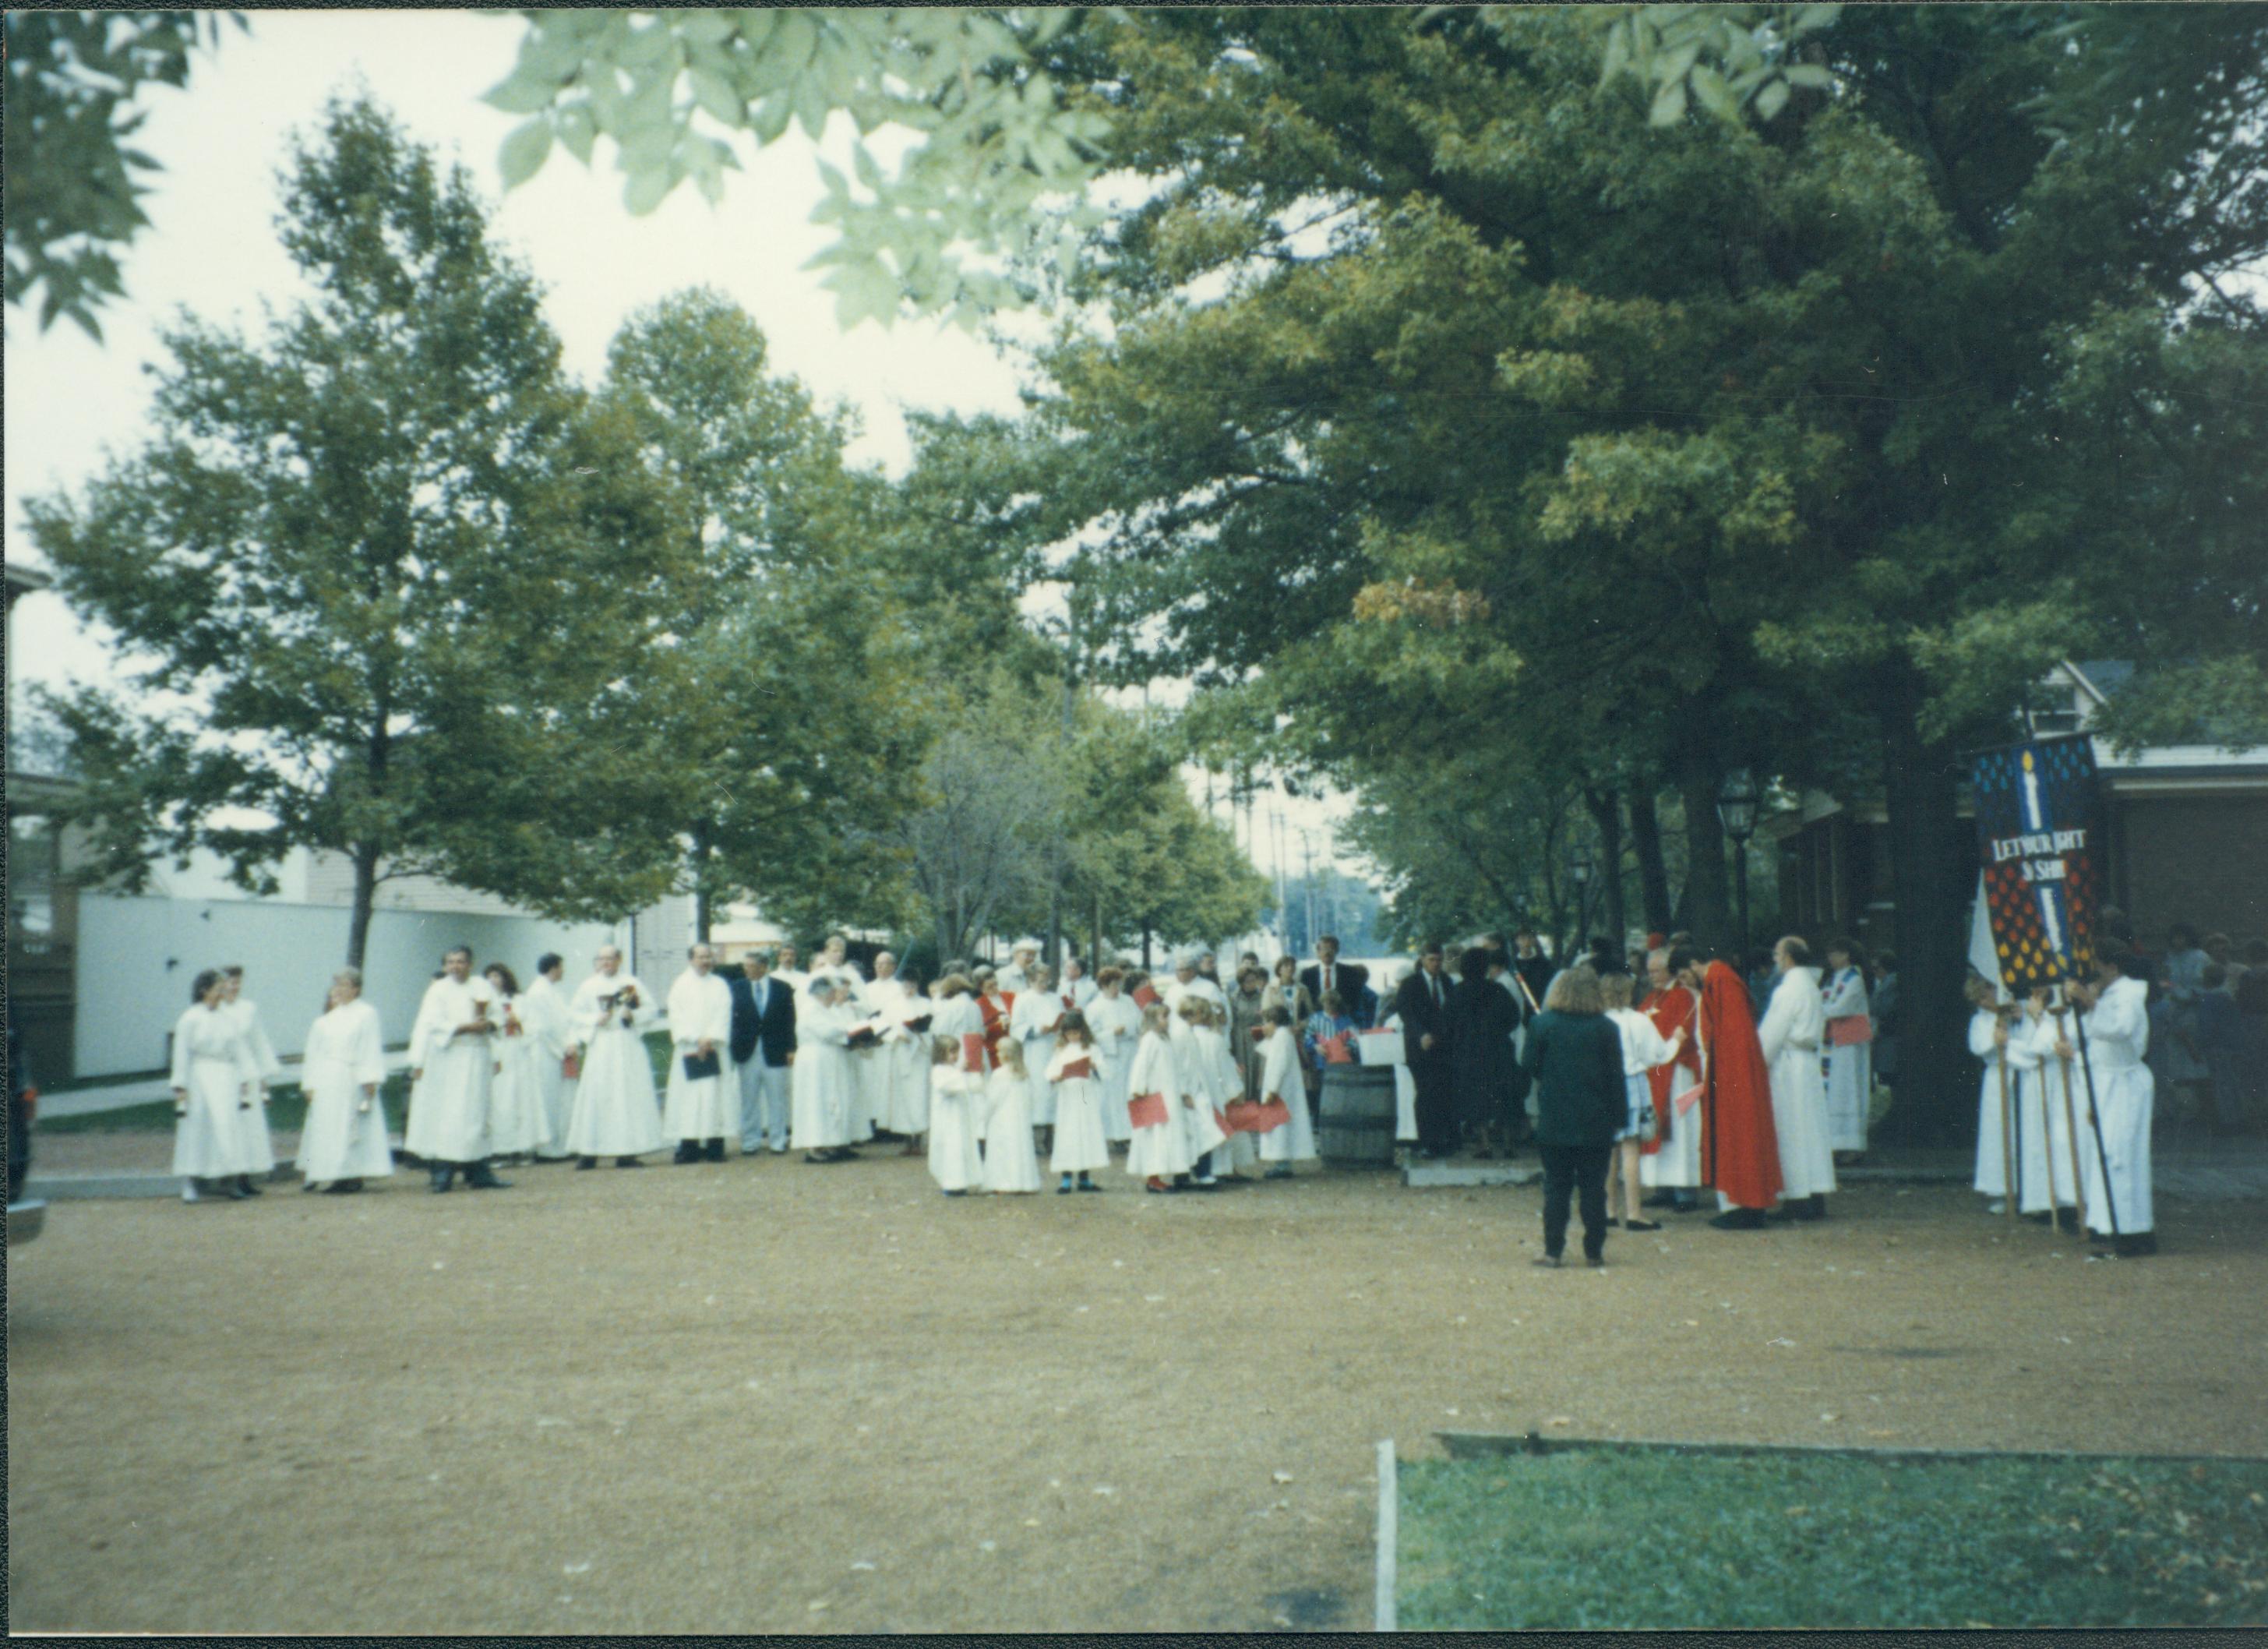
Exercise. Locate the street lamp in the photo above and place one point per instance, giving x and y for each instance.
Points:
(1736, 811)
(1579, 872)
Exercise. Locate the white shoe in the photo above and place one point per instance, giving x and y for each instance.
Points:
(188, 1190)
(2000, 1206)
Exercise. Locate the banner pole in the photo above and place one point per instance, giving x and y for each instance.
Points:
(2009, 1169)
(2095, 1123)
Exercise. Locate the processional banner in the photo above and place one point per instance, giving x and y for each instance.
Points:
(2038, 840)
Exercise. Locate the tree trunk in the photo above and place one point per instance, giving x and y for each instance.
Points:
(1606, 808)
(1652, 874)
(1145, 947)
(366, 895)
(1708, 900)
(701, 884)
(1932, 876)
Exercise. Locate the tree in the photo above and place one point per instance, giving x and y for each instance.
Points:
(394, 575)
(1444, 391)
(71, 197)
(783, 694)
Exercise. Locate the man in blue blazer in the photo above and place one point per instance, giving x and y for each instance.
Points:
(762, 1049)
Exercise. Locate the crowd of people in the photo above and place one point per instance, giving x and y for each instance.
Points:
(1659, 1075)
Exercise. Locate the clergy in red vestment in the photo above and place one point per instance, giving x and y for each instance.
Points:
(993, 1006)
(1740, 1148)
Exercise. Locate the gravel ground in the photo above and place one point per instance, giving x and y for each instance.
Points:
(763, 1397)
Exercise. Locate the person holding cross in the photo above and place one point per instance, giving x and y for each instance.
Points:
(2113, 1035)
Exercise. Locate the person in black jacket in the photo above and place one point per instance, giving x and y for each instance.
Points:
(1534, 969)
(1422, 1001)
(1482, 1062)
(762, 1049)
(1327, 973)
(1574, 1054)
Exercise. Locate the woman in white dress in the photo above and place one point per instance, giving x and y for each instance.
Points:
(954, 1091)
(214, 1080)
(516, 1119)
(1011, 1164)
(1850, 1055)
(1116, 1021)
(259, 1147)
(1077, 1078)
(343, 1142)
(1032, 1022)
(823, 1122)
(1160, 1153)
(1237, 1148)
(1282, 1077)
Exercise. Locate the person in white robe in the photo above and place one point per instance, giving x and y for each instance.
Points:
(259, 1145)
(1281, 1078)
(1159, 1154)
(516, 1126)
(954, 1091)
(2048, 1174)
(1073, 1072)
(1790, 1035)
(1116, 1021)
(904, 1056)
(787, 971)
(701, 1112)
(343, 1141)
(215, 1077)
(616, 1112)
(550, 1030)
(2006, 1113)
(1032, 1022)
(1195, 1072)
(1016, 978)
(2117, 1176)
(1405, 1093)
(1643, 1047)
(1236, 1148)
(452, 1073)
(1075, 985)
(1011, 1164)
(1850, 1053)
(833, 965)
(1673, 1171)
(826, 1090)
(1188, 981)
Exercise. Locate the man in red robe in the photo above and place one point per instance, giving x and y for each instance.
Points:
(1740, 1148)
(1671, 1161)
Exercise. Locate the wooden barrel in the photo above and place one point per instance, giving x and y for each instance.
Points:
(1357, 1122)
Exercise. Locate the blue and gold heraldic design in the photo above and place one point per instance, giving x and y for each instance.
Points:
(2037, 837)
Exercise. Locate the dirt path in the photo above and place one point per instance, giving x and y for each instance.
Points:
(703, 1399)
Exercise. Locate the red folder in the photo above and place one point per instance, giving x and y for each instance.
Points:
(1077, 1067)
(1145, 995)
(1250, 1116)
(1147, 1110)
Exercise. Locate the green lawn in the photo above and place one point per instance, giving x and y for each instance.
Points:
(287, 1107)
(1638, 1538)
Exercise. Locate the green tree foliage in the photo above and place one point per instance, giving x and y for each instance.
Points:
(386, 574)
(782, 690)
(71, 190)
(1455, 394)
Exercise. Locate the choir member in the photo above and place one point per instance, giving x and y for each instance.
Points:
(1159, 1152)
(1079, 1147)
(2001, 1105)
(1016, 978)
(1281, 1080)
(1849, 1034)
(1199, 1118)
(954, 1091)
(453, 1072)
(825, 1088)
(906, 1017)
(2115, 1175)
(215, 1077)
(516, 1123)
(551, 1039)
(1116, 1023)
(1032, 1022)
(259, 1147)
(1075, 985)
(343, 1141)
(1671, 1160)
(2047, 1169)
(1793, 1024)
(699, 1111)
(615, 1113)
(1011, 1164)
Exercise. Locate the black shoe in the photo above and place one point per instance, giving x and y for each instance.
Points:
(342, 1187)
(244, 1184)
(2041, 1218)
(628, 1162)
(2136, 1247)
(1597, 1261)
(481, 1177)
(714, 1151)
(1741, 1219)
(2067, 1220)
(1813, 1207)
(234, 1193)
(687, 1152)
(842, 1153)
(586, 1162)
(1640, 1224)
(443, 1179)
(1659, 1199)
(1085, 1183)
(1785, 1214)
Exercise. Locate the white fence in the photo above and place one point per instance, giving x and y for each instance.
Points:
(136, 957)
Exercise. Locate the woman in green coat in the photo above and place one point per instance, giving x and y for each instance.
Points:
(1575, 1055)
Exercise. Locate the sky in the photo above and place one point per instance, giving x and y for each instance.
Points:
(211, 249)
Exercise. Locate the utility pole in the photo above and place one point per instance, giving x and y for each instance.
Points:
(1307, 850)
(1055, 881)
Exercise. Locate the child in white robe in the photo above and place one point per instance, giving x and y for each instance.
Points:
(954, 1162)
(1282, 1079)
(2002, 1111)
(343, 1141)
(1115, 1019)
(1011, 1164)
(1200, 1123)
(1237, 1148)
(1849, 1068)
(1079, 1146)
(1160, 1153)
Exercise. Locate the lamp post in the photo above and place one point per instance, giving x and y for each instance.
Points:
(1579, 872)
(1736, 811)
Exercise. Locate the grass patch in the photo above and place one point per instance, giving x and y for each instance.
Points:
(1637, 1539)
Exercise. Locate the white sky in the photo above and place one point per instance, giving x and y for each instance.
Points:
(212, 249)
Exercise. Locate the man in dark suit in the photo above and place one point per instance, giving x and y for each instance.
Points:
(1422, 1001)
(1349, 980)
(763, 1047)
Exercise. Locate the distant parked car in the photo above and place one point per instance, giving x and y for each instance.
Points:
(25, 1219)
